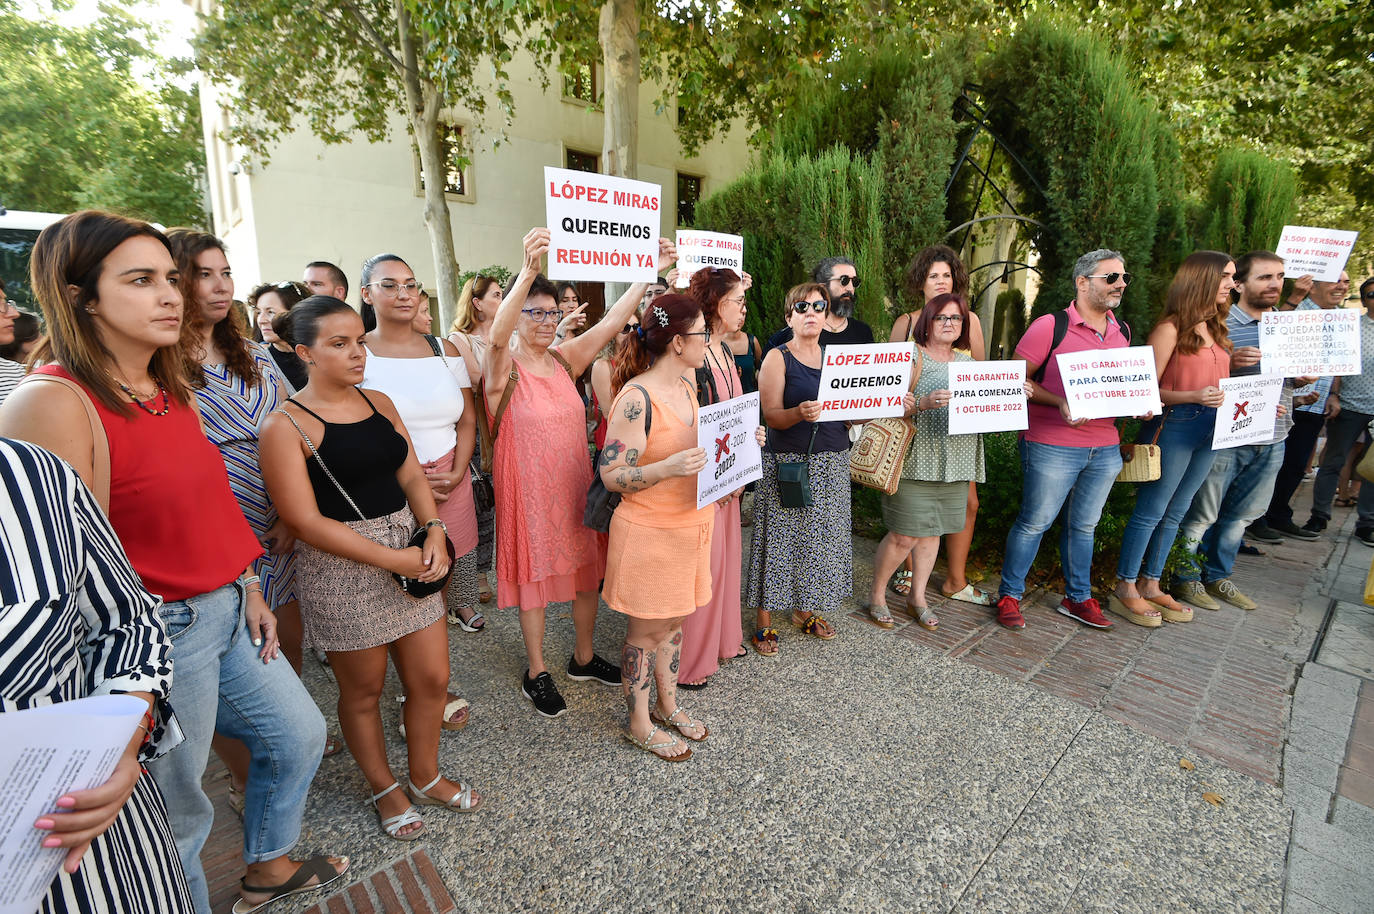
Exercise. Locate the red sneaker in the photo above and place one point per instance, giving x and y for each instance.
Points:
(1088, 612)
(1009, 612)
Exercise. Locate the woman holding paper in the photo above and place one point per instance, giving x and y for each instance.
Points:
(1192, 354)
(800, 561)
(544, 554)
(659, 556)
(932, 496)
(937, 270)
(71, 596)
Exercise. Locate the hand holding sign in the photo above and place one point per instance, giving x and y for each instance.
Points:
(536, 246)
(727, 432)
(687, 462)
(1248, 411)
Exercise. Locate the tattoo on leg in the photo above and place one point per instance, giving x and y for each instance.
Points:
(676, 642)
(649, 660)
(631, 663)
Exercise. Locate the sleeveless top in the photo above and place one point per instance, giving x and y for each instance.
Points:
(170, 500)
(802, 383)
(672, 502)
(935, 454)
(1200, 369)
(748, 369)
(364, 457)
(428, 394)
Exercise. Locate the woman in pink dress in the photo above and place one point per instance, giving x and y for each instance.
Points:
(542, 468)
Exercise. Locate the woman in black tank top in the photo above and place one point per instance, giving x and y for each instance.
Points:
(342, 472)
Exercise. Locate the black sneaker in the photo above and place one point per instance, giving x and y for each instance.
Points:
(596, 668)
(1315, 525)
(1365, 535)
(1261, 531)
(1288, 528)
(544, 694)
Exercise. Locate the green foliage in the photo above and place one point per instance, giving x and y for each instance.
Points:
(1087, 133)
(1008, 324)
(501, 274)
(81, 130)
(1249, 200)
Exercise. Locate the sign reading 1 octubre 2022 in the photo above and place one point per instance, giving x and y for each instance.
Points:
(601, 227)
(1296, 344)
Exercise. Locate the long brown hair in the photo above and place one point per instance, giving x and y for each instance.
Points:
(465, 314)
(928, 257)
(230, 334)
(1192, 300)
(636, 353)
(72, 252)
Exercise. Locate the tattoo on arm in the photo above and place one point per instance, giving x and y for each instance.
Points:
(611, 451)
(633, 410)
(630, 479)
(631, 456)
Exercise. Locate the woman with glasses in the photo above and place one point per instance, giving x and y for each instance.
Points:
(11, 372)
(266, 302)
(477, 305)
(800, 561)
(658, 568)
(544, 553)
(937, 270)
(1192, 351)
(932, 494)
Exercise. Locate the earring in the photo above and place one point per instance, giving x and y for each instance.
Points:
(311, 362)
(90, 310)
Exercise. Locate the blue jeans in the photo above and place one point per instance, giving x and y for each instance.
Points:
(1076, 479)
(1185, 458)
(1236, 492)
(220, 683)
(1342, 433)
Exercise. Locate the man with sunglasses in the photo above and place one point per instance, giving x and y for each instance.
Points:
(1240, 485)
(841, 280)
(1066, 460)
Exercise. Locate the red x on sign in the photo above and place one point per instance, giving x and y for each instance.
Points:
(722, 446)
(1240, 410)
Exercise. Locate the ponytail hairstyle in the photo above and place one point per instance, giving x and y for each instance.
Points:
(708, 286)
(369, 266)
(669, 316)
(230, 335)
(72, 252)
(301, 325)
(1192, 300)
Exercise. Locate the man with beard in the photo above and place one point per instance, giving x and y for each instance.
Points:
(841, 280)
(1241, 483)
(1066, 460)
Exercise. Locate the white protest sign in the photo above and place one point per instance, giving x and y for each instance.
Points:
(697, 250)
(1105, 383)
(601, 227)
(1248, 413)
(1296, 344)
(1321, 252)
(987, 397)
(733, 457)
(865, 381)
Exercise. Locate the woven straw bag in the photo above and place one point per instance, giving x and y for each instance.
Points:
(1141, 461)
(876, 458)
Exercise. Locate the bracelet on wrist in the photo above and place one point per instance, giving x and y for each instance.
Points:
(435, 522)
(248, 580)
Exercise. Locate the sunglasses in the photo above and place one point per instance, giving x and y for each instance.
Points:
(296, 287)
(1112, 278)
(818, 306)
(629, 328)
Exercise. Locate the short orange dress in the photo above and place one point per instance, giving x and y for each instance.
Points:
(658, 559)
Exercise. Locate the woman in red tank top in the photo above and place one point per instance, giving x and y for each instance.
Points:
(109, 291)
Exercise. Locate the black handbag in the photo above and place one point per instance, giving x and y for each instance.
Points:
(412, 586)
(483, 494)
(601, 501)
(794, 478)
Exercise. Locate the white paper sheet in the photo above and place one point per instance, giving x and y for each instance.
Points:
(733, 457)
(45, 753)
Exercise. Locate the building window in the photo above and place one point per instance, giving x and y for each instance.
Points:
(688, 196)
(580, 84)
(584, 161)
(452, 151)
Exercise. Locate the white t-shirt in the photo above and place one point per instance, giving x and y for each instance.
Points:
(428, 393)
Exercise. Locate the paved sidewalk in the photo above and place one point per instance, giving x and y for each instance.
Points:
(976, 769)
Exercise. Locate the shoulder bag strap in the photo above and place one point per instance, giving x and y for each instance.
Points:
(1061, 330)
(564, 362)
(434, 344)
(323, 465)
(100, 443)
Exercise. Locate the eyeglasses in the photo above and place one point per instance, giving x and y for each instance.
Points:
(654, 292)
(391, 286)
(818, 306)
(949, 318)
(706, 334)
(9, 304)
(539, 315)
(1112, 278)
(289, 286)
(629, 328)
(734, 301)
(846, 281)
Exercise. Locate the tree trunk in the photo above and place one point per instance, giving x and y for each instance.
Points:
(619, 35)
(422, 113)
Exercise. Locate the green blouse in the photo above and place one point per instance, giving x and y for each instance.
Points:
(936, 455)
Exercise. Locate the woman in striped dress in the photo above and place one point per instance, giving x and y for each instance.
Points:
(67, 593)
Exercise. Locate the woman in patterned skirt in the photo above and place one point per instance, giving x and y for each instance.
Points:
(69, 594)
(802, 560)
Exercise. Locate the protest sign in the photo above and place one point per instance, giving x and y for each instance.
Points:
(601, 227)
(1105, 383)
(1248, 413)
(696, 250)
(726, 432)
(866, 381)
(987, 397)
(1296, 344)
(1321, 252)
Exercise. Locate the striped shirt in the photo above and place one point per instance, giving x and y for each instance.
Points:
(11, 373)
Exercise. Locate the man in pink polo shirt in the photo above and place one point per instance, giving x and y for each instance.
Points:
(1066, 461)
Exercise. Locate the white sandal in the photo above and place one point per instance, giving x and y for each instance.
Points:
(393, 824)
(461, 801)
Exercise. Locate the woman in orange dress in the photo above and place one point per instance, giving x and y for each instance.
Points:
(658, 560)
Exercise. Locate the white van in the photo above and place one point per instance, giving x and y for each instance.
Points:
(18, 231)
